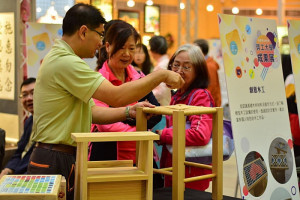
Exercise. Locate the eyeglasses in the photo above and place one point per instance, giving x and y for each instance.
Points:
(26, 94)
(184, 68)
(100, 34)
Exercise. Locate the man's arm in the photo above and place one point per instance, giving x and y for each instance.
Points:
(106, 115)
(133, 91)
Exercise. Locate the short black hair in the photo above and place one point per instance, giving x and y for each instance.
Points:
(27, 82)
(203, 44)
(158, 44)
(81, 14)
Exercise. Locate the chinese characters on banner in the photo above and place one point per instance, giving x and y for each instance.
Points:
(258, 107)
(7, 56)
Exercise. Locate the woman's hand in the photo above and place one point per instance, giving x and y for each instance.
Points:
(132, 109)
(159, 132)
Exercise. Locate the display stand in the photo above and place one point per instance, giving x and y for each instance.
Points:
(28, 187)
(178, 170)
(109, 180)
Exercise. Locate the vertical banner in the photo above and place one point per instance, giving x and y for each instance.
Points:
(294, 41)
(40, 38)
(258, 108)
(7, 56)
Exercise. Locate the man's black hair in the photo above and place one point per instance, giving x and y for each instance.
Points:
(81, 14)
(203, 44)
(28, 81)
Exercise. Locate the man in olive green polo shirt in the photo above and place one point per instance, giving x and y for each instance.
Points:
(63, 92)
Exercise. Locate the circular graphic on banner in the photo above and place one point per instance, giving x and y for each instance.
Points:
(248, 29)
(251, 74)
(238, 72)
(264, 51)
(233, 48)
(280, 193)
(280, 160)
(40, 45)
(255, 174)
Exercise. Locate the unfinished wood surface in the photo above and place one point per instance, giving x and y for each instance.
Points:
(114, 175)
(132, 190)
(178, 171)
(112, 163)
(114, 136)
(178, 157)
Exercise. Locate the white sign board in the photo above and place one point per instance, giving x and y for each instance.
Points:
(256, 93)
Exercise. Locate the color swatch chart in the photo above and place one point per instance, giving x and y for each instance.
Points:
(28, 184)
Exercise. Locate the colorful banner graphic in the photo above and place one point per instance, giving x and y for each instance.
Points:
(40, 38)
(258, 108)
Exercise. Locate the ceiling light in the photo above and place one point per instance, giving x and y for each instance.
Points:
(209, 8)
(235, 10)
(130, 3)
(182, 6)
(259, 11)
(149, 2)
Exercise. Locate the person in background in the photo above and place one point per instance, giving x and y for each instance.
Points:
(64, 88)
(213, 67)
(158, 51)
(115, 65)
(19, 161)
(189, 62)
(141, 60)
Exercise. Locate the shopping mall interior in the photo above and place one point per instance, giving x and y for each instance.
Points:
(179, 21)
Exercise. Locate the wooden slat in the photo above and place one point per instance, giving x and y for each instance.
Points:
(115, 174)
(161, 171)
(114, 136)
(188, 110)
(193, 164)
(111, 163)
(199, 178)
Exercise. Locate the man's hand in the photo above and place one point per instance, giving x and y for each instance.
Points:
(6, 171)
(173, 80)
(132, 110)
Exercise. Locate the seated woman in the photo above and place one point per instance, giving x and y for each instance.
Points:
(190, 63)
(114, 64)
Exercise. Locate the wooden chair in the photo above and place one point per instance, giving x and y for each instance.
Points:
(178, 170)
(110, 180)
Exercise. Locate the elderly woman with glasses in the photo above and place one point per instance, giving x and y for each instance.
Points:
(190, 63)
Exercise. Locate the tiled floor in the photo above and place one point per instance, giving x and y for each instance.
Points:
(229, 178)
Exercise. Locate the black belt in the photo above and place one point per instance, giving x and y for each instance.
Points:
(58, 147)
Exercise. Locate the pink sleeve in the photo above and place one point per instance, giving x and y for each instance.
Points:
(201, 126)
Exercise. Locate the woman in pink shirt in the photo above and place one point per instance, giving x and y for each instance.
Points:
(190, 63)
(114, 64)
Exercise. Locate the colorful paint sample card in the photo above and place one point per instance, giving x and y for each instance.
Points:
(258, 108)
(294, 41)
(30, 186)
(39, 40)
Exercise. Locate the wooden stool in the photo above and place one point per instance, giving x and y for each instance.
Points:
(28, 187)
(178, 170)
(110, 180)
